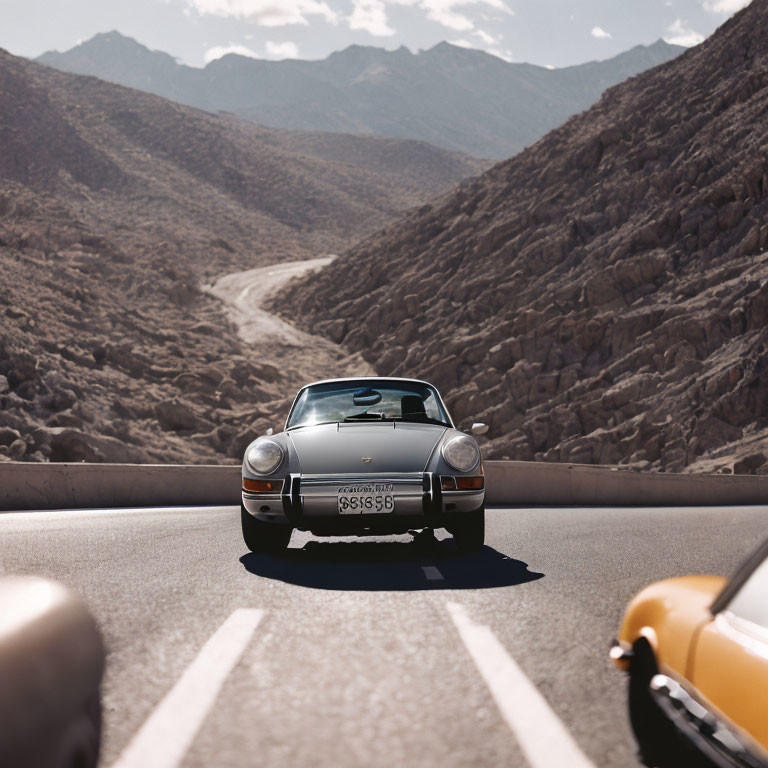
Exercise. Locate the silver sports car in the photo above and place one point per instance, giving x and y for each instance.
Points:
(362, 457)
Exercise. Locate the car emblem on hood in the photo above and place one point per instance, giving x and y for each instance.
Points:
(366, 459)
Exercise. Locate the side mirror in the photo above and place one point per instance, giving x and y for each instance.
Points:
(478, 428)
(270, 431)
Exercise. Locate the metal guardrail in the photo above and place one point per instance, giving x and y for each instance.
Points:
(82, 486)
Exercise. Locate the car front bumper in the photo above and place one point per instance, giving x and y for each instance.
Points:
(311, 503)
(721, 745)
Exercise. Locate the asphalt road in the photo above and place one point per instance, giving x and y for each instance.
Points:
(363, 652)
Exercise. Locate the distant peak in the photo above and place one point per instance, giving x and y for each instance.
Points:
(112, 37)
(112, 34)
(354, 49)
(357, 51)
(662, 45)
(445, 47)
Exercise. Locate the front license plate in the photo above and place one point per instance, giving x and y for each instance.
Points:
(368, 499)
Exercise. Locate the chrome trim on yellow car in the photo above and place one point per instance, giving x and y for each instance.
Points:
(709, 733)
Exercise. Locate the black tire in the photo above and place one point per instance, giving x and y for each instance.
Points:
(659, 744)
(469, 531)
(264, 537)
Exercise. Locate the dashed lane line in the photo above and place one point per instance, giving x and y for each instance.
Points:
(168, 732)
(544, 740)
(432, 573)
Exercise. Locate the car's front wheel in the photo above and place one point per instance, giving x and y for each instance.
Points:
(658, 741)
(469, 530)
(263, 537)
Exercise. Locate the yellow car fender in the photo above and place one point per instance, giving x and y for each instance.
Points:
(668, 614)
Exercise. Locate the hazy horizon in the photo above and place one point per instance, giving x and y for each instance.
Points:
(548, 32)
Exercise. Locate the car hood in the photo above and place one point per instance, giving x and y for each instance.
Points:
(340, 448)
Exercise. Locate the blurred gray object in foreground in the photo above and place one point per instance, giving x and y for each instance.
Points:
(51, 665)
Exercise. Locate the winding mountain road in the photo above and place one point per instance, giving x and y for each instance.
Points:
(303, 356)
(243, 293)
(385, 652)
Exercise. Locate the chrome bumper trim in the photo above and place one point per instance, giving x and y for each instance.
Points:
(410, 478)
(709, 733)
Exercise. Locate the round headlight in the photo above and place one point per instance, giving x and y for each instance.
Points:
(462, 453)
(264, 457)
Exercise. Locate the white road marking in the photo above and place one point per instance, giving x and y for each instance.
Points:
(544, 740)
(168, 732)
(432, 573)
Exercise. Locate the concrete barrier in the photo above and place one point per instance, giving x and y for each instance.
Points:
(81, 486)
(530, 482)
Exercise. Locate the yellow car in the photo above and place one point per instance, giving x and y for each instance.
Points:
(696, 650)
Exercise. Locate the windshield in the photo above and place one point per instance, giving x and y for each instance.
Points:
(368, 400)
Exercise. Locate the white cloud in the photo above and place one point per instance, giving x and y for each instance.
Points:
(447, 13)
(725, 6)
(484, 36)
(266, 13)
(284, 50)
(371, 16)
(500, 54)
(222, 50)
(681, 34)
(497, 52)
(601, 34)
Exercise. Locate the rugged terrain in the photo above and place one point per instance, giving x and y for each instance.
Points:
(460, 99)
(603, 296)
(115, 206)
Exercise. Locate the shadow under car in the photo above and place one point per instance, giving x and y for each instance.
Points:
(389, 566)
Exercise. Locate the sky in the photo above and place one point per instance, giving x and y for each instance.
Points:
(553, 33)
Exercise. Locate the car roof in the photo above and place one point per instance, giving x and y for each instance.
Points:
(370, 378)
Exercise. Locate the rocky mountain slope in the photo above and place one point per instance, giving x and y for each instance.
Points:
(459, 99)
(603, 296)
(115, 206)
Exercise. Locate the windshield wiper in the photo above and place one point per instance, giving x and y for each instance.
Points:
(366, 416)
(312, 424)
(424, 420)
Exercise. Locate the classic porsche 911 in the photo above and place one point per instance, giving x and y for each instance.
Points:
(696, 649)
(364, 457)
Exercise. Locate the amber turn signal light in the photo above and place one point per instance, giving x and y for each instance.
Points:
(262, 486)
(470, 483)
(450, 483)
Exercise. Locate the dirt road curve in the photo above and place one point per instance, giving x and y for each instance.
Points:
(310, 357)
(244, 292)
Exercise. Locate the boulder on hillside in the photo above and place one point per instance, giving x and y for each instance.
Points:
(177, 416)
(72, 445)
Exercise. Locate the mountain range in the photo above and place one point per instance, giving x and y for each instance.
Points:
(115, 207)
(456, 98)
(603, 296)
